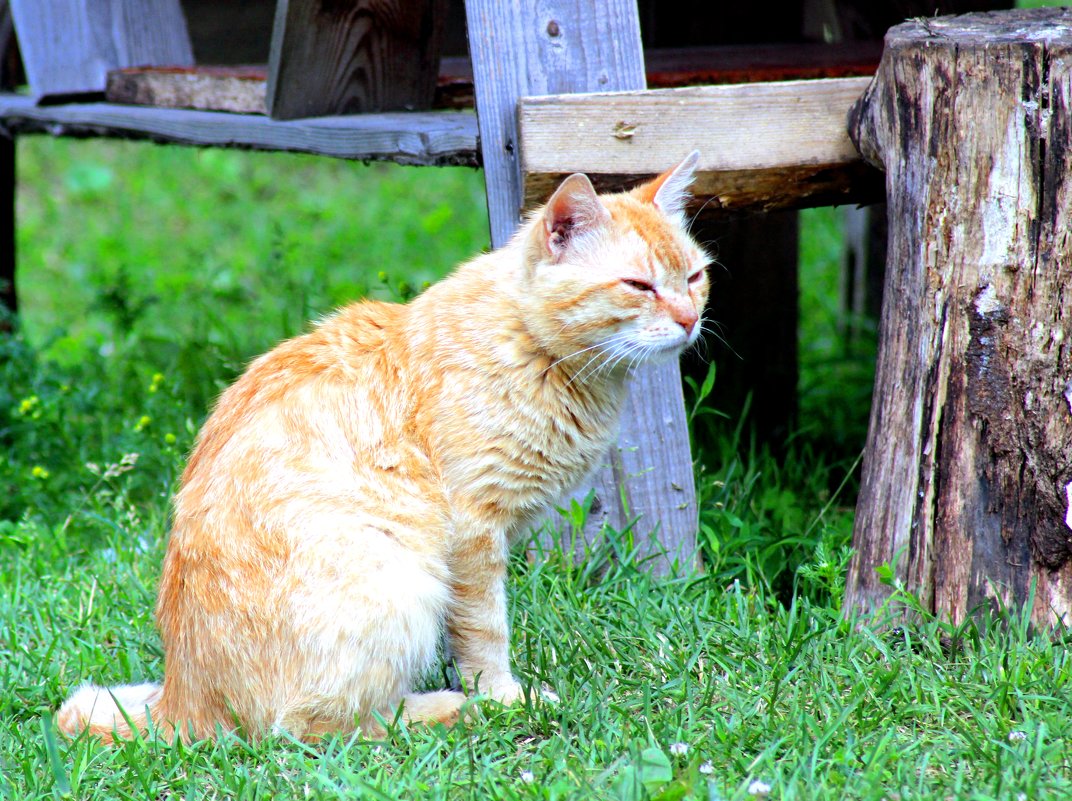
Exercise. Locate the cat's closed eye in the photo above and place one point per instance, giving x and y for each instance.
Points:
(636, 283)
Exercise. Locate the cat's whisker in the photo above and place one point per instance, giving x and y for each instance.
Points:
(701, 349)
(594, 371)
(608, 365)
(699, 211)
(640, 357)
(621, 335)
(580, 372)
(634, 348)
(599, 367)
(611, 342)
(704, 329)
(700, 346)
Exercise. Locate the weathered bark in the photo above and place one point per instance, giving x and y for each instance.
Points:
(967, 483)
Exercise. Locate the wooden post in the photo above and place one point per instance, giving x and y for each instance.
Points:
(355, 57)
(967, 482)
(529, 48)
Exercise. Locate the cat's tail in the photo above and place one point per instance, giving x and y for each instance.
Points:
(111, 713)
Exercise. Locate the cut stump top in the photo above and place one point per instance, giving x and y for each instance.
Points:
(1041, 25)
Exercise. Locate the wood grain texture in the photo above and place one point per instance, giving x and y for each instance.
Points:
(967, 481)
(762, 146)
(589, 47)
(353, 56)
(419, 138)
(669, 67)
(585, 46)
(68, 46)
(240, 90)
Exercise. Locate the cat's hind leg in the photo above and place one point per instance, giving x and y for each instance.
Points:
(364, 612)
(441, 706)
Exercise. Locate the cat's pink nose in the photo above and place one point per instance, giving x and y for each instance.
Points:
(686, 318)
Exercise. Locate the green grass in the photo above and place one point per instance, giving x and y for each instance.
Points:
(150, 275)
(793, 697)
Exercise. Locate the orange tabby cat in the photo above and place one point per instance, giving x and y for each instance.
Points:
(355, 492)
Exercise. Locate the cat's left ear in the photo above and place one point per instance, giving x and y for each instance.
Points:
(573, 209)
(670, 191)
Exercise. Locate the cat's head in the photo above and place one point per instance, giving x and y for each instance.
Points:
(614, 280)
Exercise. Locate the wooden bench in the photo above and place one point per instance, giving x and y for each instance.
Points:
(358, 81)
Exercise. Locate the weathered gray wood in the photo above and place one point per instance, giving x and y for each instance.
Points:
(529, 48)
(520, 49)
(762, 146)
(236, 89)
(967, 482)
(420, 138)
(68, 46)
(355, 57)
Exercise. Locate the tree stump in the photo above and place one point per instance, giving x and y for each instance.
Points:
(967, 479)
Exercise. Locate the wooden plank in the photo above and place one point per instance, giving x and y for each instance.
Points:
(421, 138)
(356, 57)
(239, 90)
(669, 67)
(762, 146)
(583, 46)
(242, 88)
(68, 46)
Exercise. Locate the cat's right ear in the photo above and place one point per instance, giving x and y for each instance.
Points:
(573, 209)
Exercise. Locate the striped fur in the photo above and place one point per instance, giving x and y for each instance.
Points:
(353, 496)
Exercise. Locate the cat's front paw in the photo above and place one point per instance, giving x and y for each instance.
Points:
(506, 690)
(511, 692)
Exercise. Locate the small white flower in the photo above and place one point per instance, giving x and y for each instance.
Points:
(1017, 736)
(527, 777)
(1021, 797)
(707, 768)
(679, 749)
(759, 788)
